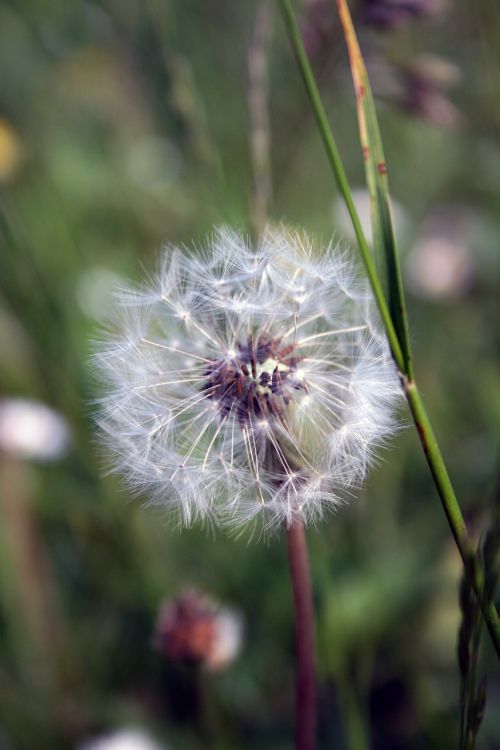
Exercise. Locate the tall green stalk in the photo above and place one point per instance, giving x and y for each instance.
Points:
(422, 423)
(377, 181)
(340, 176)
(452, 508)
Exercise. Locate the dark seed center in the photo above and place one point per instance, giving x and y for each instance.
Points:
(257, 383)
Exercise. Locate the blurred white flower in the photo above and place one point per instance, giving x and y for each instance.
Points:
(154, 163)
(31, 430)
(439, 268)
(123, 739)
(228, 639)
(361, 198)
(248, 382)
(94, 291)
(440, 265)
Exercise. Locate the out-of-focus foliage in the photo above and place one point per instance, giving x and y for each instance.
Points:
(124, 125)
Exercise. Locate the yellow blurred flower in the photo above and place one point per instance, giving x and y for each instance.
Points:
(10, 151)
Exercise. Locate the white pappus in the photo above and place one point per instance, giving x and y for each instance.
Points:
(246, 382)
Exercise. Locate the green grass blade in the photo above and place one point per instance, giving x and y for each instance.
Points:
(378, 184)
(422, 423)
(341, 178)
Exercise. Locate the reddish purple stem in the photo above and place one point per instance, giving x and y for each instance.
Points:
(305, 687)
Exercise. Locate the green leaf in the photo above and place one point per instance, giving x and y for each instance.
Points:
(378, 184)
(341, 178)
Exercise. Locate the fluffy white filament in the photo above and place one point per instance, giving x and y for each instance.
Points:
(248, 382)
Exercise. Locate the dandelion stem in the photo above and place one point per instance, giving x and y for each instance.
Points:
(427, 438)
(305, 685)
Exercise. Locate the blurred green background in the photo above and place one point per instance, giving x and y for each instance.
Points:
(125, 124)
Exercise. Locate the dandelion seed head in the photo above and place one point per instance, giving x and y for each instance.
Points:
(248, 382)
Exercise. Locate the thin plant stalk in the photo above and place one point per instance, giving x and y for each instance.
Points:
(40, 619)
(451, 507)
(335, 161)
(353, 719)
(305, 685)
(422, 422)
(377, 181)
(258, 112)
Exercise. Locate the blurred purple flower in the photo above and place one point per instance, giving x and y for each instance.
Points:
(418, 87)
(317, 25)
(424, 83)
(193, 629)
(390, 14)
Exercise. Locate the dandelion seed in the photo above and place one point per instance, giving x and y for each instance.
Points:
(278, 384)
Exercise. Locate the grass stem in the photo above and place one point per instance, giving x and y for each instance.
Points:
(422, 423)
(452, 508)
(340, 176)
